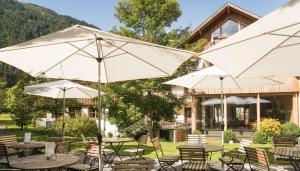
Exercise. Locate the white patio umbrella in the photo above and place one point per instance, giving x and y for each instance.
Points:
(229, 100)
(214, 77)
(211, 102)
(84, 53)
(268, 47)
(62, 89)
(252, 100)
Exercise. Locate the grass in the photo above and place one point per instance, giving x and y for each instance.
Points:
(169, 148)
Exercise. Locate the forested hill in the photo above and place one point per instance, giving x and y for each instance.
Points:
(21, 21)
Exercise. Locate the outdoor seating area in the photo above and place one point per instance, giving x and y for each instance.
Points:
(144, 94)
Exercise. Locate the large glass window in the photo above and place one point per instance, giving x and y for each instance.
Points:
(229, 28)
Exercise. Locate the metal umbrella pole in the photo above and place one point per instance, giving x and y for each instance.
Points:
(99, 60)
(64, 109)
(222, 100)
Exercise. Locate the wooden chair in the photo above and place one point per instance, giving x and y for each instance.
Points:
(193, 158)
(131, 165)
(90, 162)
(4, 160)
(62, 147)
(233, 160)
(7, 140)
(283, 141)
(258, 159)
(164, 161)
(138, 152)
(194, 139)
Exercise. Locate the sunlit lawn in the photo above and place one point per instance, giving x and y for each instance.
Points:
(169, 148)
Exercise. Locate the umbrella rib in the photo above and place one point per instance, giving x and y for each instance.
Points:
(61, 61)
(268, 78)
(117, 48)
(113, 56)
(104, 65)
(198, 82)
(89, 55)
(235, 82)
(139, 58)
(267, 54)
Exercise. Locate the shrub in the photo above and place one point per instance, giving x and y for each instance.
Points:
(77, 126)
(229, 136)
(261, 137)
(290, 129)
(269, 126)
(196, 132)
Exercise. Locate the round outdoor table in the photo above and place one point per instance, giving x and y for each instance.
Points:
(292, 153)
(119, 143)
(39, 162)
(28, 149)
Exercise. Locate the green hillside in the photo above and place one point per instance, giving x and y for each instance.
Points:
(20, 22)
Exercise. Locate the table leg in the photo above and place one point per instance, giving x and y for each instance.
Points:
(116, 149)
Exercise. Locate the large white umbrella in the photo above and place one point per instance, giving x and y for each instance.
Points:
(252, 100)
(61, 90)
(214, 77)
(84, 53)
(268, 47)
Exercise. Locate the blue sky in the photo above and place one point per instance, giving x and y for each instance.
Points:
(194, 12)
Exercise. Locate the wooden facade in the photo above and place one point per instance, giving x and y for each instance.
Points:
(287, 91)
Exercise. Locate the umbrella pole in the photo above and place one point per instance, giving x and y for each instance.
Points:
(222, 101)
(99, 59)
(64, 109)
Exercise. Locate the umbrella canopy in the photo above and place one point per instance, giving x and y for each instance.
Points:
(84, 53)
(267, 47)
(212, 77)
(235, 100)
(75, 52)
(252, 100)
(57, 89)
(212, 101)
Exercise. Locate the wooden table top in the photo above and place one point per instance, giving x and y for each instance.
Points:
(39, 161)
(286, 151)
(208, 148)
(31, 145)
(116, 140)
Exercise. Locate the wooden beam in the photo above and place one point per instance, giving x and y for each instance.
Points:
(258, 112)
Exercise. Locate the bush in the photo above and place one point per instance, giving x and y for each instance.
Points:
(290, 129)
(229, 136)
(196, 132)
(269, 126)
(77, 126)
(261, 137)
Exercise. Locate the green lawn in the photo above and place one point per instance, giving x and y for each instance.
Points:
(169, 148)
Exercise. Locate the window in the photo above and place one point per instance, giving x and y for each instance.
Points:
(229, 28)
(73, 111)
(92, 112)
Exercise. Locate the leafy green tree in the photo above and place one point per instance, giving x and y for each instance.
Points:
(146, 20)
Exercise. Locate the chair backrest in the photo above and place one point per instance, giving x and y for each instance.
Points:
(143, 139)
(63, 147)
(203, 137)
(3, 153)
(131, 165)
(83, 139)
(284, 141)
(8, 139)
(54, 139)
(257, 158)
(157, 147)
(244, 143)
(92, 150)
(192, 154)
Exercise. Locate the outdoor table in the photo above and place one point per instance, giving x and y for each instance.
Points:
(293, 154)
(39, 162)
(28, 149)
(119, 143)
